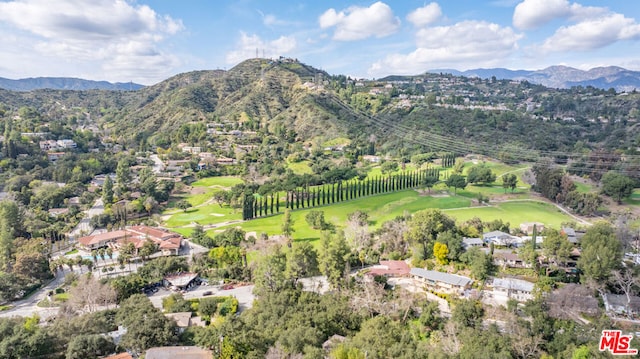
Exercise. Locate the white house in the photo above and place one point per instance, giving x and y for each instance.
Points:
(472, 242)
(512, 288)
(499, 238)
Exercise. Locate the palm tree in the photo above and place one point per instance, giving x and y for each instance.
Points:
(109, 252)
(94, 255)
(101, 253)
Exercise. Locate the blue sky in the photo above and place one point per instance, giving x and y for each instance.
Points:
(147, 41)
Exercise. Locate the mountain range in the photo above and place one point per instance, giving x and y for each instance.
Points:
(64, 83)
(608, 77)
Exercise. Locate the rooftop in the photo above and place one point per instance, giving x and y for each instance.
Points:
(447, 278)
(513, 283)
(178, 352)
(180, 280)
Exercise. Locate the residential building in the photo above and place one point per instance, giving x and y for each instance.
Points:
(67, 144)
(441, 282)
(527, 227)
(512, 288)
(180, 281)
(370, 158)
(48, 145)
(185, 320)
(183, 352)
(499, 238)
(509, 260)
(54, 156)
(472, 242)
(390, 269)
(168, 242)
(617, 304)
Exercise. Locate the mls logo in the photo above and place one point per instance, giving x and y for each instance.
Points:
(617, 343)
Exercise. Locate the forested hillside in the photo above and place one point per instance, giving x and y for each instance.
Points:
(403, 114)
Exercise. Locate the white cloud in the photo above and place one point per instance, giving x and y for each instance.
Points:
(462, 45)
(531, 14)
(357, 23)
(246, 47)
(425, 15)
(115, 36)
(592, 34)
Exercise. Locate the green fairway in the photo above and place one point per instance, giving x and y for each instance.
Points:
(203, 215)
(203, 211)
(221, 182)
(514, 213)
(380, 208)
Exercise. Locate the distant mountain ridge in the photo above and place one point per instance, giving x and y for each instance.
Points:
(64, 83)
(608, 77)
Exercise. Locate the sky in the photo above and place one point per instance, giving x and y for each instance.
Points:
(147, 41)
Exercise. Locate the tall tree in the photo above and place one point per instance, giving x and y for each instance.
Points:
(107, 191)
(424, 228)
(287, 226)
(601, 252)
(334, 257)
(617, 186)
(123, 176)
(509, 181)
(457, 182)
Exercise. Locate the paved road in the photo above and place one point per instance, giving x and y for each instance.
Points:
(84, 227)
(158, 165)
(28, 307)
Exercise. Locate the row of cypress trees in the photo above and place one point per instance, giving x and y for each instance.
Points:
(255, 206)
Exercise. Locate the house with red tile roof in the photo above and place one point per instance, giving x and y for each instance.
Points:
(168, 242)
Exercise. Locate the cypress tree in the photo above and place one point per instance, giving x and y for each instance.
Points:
(286, 201)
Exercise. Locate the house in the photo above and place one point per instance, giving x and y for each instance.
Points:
(390, 269)
(616, 304)
(55, 212)
(440, 282)
(370, 158)
(499, 238)
(168, 242)
(66, 144)
(512, 288)
(48, 145)
(573, 301)
(185, 320)
(180, 281)
(527, 227)
(183, 352)
(573, 236)
(54, 156)
(509, 260)
(472, 242)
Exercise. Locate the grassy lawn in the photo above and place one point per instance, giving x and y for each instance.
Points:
(634, 199)
(220, 182)
(207, 214)
(300, 168)
(583, 187)
(514, 213)
(471, 191)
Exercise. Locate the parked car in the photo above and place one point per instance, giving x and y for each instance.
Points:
(207, 293)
